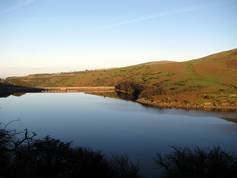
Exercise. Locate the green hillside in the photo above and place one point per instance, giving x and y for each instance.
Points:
(211, 71)
(210, 80)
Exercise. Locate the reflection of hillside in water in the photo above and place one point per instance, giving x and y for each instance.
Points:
(126, 96)
(234, 119)
(229, 116)
(7, 89)
(115, 94)
(5, 95)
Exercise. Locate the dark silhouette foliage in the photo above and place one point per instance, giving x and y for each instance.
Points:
(51, 158)
(130, 88)
(123, 167)
(197, 163)
(133, 91)
(21, 155)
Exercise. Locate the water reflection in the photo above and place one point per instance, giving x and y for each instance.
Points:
(5, 95)
(230, 116)
(118, 126)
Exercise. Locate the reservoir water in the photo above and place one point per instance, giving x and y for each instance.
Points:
(116, 126)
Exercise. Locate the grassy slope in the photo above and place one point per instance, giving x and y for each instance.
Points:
(209, 82)
(218, 70)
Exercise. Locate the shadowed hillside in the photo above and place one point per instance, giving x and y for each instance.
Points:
(208, 82)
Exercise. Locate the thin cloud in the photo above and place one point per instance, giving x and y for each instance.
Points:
(16, 6)
(149, 17)
(164, 14)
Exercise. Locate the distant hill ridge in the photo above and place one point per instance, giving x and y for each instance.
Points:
(216, 69)
(208, 82)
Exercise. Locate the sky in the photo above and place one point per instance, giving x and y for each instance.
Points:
(45, 36)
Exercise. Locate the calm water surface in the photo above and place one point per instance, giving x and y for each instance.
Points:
(117, 126)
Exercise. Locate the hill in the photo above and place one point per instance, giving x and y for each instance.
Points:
(211, 80)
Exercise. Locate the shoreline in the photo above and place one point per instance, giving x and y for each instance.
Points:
(103, 90)
(186, 107)
(78, 89)
(178, 101)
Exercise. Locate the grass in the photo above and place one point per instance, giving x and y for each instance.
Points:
(214, 74)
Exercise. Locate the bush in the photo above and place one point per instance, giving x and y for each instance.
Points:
(197, 163)
(123, 167)
(51, 158)
(151, 91)
(130, 88)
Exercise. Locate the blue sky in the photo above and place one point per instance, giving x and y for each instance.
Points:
(66, 35)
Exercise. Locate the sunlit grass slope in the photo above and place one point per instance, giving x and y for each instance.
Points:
(217, 71)
(206, 83)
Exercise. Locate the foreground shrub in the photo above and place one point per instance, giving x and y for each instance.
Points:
(197, 163)
(123, 167)
(51, 158)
